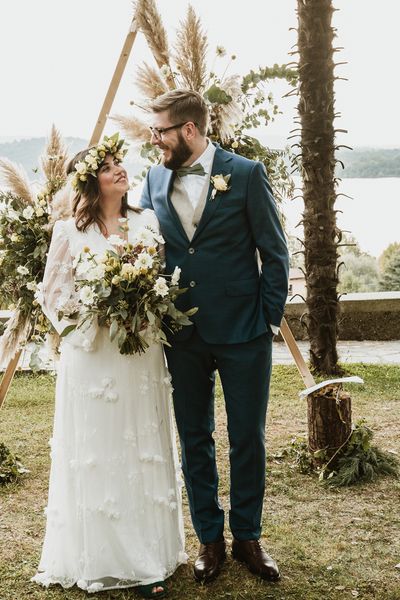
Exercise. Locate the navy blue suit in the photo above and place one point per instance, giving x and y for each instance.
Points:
(230, 333)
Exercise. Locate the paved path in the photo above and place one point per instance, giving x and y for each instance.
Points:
(349, 352)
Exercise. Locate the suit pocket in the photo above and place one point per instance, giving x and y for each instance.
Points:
(244, 287)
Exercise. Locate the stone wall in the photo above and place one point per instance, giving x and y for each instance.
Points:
(364, 316)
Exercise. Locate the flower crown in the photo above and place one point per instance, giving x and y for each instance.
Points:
(94, 159)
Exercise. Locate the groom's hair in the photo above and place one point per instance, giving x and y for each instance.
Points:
(183, 105)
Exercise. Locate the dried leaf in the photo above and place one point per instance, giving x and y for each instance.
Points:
(191, 48)
(16, 179)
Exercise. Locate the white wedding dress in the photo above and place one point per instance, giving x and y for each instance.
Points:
(114, 515)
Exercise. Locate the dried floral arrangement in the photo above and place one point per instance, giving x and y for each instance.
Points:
(238, 104)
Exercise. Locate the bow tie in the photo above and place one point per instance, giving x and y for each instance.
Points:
(195, 170)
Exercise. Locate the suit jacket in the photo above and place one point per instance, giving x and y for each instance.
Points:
(236, 300)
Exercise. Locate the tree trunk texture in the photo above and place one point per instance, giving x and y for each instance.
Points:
(329, 420)
(317, 159)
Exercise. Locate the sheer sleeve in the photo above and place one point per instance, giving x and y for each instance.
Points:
(58, 281)
(58, 289)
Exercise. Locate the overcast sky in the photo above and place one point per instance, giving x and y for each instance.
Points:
(57, 59)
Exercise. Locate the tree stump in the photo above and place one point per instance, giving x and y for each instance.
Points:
(329, 421)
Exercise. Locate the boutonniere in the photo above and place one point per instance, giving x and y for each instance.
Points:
(220, 184)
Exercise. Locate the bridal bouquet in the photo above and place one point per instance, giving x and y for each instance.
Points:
(124, 290)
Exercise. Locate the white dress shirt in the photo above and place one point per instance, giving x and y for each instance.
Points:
(194, 184)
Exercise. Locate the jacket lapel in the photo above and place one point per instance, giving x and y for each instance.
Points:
(220, 166)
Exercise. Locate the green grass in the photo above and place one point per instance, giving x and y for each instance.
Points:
(330, 544)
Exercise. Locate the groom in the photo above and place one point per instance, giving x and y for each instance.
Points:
(215, 210)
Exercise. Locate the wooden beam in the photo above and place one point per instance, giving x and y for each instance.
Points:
(297, 355)
(8, 376)
(114, 84)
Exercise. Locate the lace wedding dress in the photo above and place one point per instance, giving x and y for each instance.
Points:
(114, 514)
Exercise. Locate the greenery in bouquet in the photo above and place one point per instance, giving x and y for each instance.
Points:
(123, 290)
(26, 219)
(238, 104)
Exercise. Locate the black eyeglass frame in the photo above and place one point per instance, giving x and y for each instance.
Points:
(159, 131)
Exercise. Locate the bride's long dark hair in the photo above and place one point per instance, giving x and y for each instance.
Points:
(86, 205)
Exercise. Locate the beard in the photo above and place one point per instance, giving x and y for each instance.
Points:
(179, 154)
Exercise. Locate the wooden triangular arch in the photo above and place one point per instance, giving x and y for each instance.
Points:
(95, 138)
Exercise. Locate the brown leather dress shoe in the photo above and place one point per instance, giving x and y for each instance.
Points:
(256, 559)
(209, 561)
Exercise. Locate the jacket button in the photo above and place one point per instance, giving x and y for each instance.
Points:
(192, 284)
(191, 250)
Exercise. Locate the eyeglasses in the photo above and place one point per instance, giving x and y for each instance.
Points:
(158, 132)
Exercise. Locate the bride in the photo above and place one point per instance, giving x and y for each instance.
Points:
(114, 516)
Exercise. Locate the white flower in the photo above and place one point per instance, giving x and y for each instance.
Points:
(28, 212)
(175, 276)
(39, 212)
(219, 183)
(116, 240)
(161, 287)
(14, 237)
(95, 587)
(22, 270)
(91, 160)
(31, 285)
(102, 259)
(87, 295)
(82, 268)
(87, 345)
(39, 293)
(143, 261)
(96, 272)
(81, 168)
(13, 215)
(128, 271)
(144, 236)
(67, 304)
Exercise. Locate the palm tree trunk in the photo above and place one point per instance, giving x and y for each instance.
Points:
(316, 110)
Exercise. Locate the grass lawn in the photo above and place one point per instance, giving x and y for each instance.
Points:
(331, 544)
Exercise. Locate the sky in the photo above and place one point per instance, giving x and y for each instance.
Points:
(58, 59)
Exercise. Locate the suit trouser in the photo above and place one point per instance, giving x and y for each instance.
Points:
(244, 371)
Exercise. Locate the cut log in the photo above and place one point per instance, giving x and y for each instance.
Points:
(329, 421)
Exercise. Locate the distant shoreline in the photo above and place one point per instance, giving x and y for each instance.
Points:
(360, 163)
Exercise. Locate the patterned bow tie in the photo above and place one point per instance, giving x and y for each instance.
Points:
(195, 170)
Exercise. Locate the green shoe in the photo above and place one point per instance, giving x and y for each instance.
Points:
(146, 591)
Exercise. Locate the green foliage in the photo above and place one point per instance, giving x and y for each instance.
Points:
(302, 458)
(11, 468)
(264, 74)
(24, 241)
(273, 160)
(216, 95)
(296, 251)
(390, 279)
(357, 461)
(360, 461)
(359, 271)
(387, 255)
(367, 163)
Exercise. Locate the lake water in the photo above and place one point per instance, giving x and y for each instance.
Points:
(372, 214)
